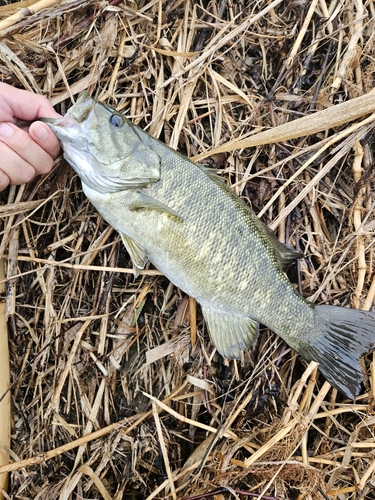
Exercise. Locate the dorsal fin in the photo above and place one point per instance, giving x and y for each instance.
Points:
(287, 255)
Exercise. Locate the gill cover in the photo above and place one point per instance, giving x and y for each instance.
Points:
(104, 148)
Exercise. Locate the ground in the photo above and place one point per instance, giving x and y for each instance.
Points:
(116, 390)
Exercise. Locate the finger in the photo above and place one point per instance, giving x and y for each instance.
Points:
(4, 181)
(14, 169)
(44, 136)
(13, 101)
(26, 148)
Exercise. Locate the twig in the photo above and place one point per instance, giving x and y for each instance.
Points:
(357, 222)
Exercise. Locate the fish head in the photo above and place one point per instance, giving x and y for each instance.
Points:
(105, 149)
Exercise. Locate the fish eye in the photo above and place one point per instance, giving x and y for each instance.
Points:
(116, 120)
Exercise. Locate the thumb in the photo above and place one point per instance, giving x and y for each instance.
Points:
(46, 139)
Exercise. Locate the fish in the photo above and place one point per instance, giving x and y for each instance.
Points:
(208, 242)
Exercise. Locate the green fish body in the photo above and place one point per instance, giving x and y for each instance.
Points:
(207, 241)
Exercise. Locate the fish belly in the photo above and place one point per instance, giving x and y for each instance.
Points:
(212, 255)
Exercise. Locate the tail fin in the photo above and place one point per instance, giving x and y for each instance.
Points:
(340, 337)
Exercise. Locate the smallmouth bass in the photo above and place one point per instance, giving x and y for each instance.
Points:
(207, 242)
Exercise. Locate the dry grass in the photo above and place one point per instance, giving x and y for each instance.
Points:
(117, 391)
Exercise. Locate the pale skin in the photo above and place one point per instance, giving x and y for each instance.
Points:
(25, 153)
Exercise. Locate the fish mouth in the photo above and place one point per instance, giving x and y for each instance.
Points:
(68, 125)
(58, 124)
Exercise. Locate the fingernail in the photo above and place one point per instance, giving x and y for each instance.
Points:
(40, 131)
(6, 130)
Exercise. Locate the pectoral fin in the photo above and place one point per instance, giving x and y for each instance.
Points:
(144, 202)
(230, 333)
(137, 253)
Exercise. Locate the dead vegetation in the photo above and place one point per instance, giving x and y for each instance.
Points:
(116, 389)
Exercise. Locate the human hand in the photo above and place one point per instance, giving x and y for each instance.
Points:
(25, 153)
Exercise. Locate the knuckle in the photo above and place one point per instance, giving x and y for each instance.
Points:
(24, 143)
(43, 100)
(45, 166)
(28, 174)
(53, 147)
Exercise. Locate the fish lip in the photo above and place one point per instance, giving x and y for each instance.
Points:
(60, 126)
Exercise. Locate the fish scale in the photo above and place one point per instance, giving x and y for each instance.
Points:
(207, 241)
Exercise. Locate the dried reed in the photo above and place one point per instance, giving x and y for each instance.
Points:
(116, 389)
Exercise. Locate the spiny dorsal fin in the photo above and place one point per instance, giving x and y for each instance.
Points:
(211, 174)
(287, 255)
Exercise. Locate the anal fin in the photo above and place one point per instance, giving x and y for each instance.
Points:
(230, 333)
